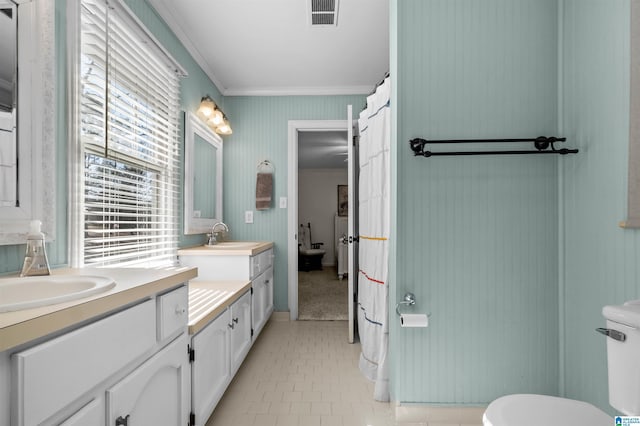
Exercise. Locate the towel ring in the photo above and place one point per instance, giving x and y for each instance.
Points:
(265, 166)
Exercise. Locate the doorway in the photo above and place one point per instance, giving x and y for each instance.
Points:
(323, 217)
(311, 129)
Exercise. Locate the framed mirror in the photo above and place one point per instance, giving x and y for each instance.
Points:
(8, 104)
(9, 55)
(202, 176)
(27, 118)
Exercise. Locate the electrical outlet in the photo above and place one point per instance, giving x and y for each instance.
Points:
(283, 202)
(248, 216)
(197, 213)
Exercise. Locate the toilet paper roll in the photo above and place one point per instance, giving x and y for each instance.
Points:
(414, 320)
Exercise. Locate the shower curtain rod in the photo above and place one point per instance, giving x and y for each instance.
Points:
(543, 145)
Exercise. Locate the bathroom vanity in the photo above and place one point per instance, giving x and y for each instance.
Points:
(221, 336)
(159, 347)
(230, 302)
(238, 260)
(116, 358)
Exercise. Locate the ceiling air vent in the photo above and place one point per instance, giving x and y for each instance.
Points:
(324, 13)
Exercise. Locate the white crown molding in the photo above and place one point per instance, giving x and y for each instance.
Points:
(165, 13)
(301, 91)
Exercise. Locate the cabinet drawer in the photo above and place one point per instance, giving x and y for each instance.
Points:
(261, 262)
(51, 375)
(266, 260)
(172, 312)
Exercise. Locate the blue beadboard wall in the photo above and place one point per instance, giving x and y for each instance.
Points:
(602, 261)
(476, 239)
(260, 126)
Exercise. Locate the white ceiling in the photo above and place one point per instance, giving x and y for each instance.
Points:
(322, 149)
(260, 47)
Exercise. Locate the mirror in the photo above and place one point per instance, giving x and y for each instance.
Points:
(8, 91)
(8, 53)
(202, 176)
(27, 137)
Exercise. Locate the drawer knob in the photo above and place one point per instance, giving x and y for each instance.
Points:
(180, 310)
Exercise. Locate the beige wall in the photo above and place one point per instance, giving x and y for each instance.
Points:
(317, 203)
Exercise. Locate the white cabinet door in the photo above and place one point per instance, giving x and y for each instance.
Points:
(91, 414)
(241, 332)
(156, 393)
(257, 302)
(211, 368)
(262, 302)
(268, 299)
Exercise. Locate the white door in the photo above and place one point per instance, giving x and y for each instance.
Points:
(352, 162)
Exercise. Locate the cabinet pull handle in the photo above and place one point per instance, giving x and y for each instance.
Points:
(235, 320)
(231, 326)
(122, 421)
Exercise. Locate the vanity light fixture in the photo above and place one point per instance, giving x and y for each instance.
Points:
(213, 116)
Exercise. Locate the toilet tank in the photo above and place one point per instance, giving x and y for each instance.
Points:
(623, 356)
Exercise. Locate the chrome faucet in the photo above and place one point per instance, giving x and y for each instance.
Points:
(214, 235)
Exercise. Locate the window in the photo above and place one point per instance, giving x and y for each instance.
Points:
(127, 149)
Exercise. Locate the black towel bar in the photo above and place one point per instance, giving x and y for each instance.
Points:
(543, 145)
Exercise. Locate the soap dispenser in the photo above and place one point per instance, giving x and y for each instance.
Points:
(35, 258)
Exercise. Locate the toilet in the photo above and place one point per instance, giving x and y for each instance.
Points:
(623, 360)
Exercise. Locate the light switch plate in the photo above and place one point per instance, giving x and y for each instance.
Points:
(248, 216)
(283, 202)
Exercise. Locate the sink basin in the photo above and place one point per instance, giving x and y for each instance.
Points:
(31, 292)
(232, 245)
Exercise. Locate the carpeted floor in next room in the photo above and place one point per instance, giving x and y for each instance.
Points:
(322, 296)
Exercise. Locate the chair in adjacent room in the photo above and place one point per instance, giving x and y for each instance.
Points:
(309, 253)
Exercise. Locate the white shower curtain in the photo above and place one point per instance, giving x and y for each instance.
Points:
(373, 254)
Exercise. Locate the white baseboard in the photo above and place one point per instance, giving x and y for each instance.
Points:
(454, 414)
(279, 316)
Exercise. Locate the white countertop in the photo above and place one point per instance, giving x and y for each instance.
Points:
(132, 284)
(208, 299)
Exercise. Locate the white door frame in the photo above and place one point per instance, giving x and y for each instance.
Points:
(292, 224)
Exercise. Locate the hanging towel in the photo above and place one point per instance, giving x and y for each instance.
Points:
(264, 187)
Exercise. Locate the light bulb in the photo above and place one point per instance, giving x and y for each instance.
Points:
(216, 118)
(207, 107)
(224, 128)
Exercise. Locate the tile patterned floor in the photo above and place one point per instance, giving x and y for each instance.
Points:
(303, 373)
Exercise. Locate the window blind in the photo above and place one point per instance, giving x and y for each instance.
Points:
(128, 135)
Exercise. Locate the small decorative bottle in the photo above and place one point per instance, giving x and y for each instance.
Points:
(35, 258)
